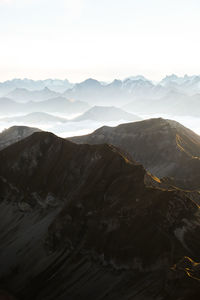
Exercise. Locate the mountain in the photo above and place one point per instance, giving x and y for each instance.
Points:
(189, 85)
(115, 93)
(58, 104)
(35, 117)
(24, 95)
(8, 106)
(106, 113)
(172, 102)
(173, 95)
(85, 91)
(164, 147)
(55, 85)
(14, 134)
(79, 222)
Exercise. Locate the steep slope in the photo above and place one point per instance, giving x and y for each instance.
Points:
(164, 147)
(14, 134)
(106, 113)
(115, 93)
(78, 222)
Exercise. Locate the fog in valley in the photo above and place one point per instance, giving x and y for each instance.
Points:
(70, 109)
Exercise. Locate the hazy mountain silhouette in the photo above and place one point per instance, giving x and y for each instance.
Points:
(24, 95)
(35, 117)
(106, 113)
(55, 85)
(172, 95)
(116, 93)
(58, 104)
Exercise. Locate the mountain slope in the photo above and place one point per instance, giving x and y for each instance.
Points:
(164, 147)
(78, 222)
(115, 93)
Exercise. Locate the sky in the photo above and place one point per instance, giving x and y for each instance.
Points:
(102, 39)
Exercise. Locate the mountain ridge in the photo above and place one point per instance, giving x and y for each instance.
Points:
(165, 147)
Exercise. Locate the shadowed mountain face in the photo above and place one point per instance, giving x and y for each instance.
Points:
(79, 222)
(15, 134)
(164, 147)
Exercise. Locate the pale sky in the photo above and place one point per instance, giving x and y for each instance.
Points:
(102, 39)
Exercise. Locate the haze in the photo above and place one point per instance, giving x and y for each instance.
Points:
(77, 39)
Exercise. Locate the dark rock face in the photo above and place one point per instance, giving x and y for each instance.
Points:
(163, 147)
(79, 222)
(15, 134)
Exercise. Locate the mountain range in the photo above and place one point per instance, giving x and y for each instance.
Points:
(24, 95)
(164, 147)
(173, 95)
(97, 114)
(55, 85)
(83, 222)
(58, 104)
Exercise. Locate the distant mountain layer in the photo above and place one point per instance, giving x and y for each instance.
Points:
(55, 85)
(79, 222)
(115, 93)
(172, 95)
(58, 104)
(107, 113)
(141, 95)
(164, 147)
(23, 95)
(15, 134)
(173, 103)
(36, 117)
